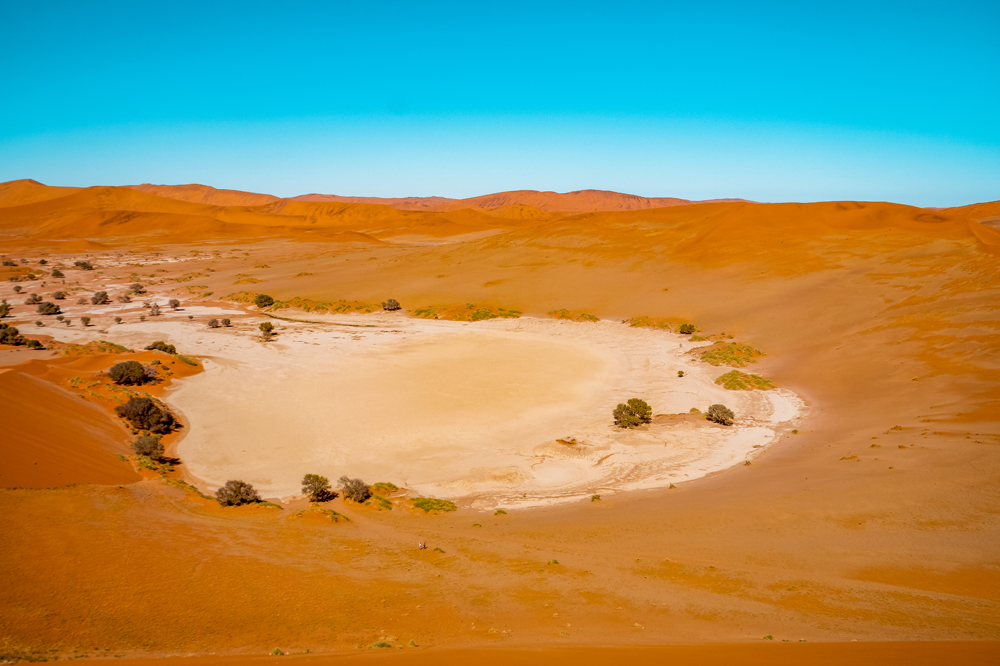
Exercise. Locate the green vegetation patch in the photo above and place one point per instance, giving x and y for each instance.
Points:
(309, 305)
(466, 312)
(573, 315)
(655, 322)
(333, 515)
(734, 380)
(185, 359)
(428, 504)
(101, 347)
(734, 355)
(384, 488)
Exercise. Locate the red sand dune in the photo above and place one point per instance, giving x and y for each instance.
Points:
(206, 195)
(53, 438)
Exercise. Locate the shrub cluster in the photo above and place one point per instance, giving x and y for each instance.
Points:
(720, 414)
(33, 299)
(11, 336)
(633, 413)
(162, 346)
(84, 265)
(144, 414)
(263, 301)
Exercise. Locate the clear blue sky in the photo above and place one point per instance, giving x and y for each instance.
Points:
(801, 101)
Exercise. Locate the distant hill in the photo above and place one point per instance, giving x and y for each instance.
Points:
(204, 194)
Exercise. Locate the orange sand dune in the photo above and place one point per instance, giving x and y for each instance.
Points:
(206, 195)
(402, 203)
(19, 192)
(53, 438)
(582, 201)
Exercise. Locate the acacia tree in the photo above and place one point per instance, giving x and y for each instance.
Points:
(354, 489)
(127, 372)
(633, 413)
(266, 330)
(720, 414)
(144, 414)
(235, 493)
(174, 303)
(100, 298)
(317, 488)
(149, 446)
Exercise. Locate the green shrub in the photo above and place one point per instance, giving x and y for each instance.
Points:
(4, 308)
(277, 652)
(136, 288)
(266, 330)
(185, 359)
(85, 321)
(33, 299)
(56, 273)
(213, 323)
(127, 373)
(100, 298)
(317, 488)
(428, 504)
(59, 295)
(48, 308)
(384, 488)
(263, 301)
(149, 446)
(633, 413)
(174, 303)
(84, 265)
(235, 493)
(734, 380)
(686, 329)
(226, 322)
(733, 355)
(380, 644)
(162, 346)
(720, 414)
(391, 305)
(145, 414)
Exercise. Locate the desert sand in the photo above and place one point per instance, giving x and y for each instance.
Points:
(875, 522)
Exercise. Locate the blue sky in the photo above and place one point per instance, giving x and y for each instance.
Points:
(768, 101)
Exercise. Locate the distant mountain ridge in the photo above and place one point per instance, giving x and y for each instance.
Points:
(579, 201)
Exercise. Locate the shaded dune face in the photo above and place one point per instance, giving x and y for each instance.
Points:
(422, 411)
